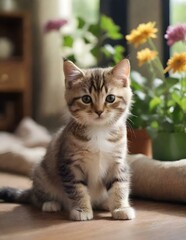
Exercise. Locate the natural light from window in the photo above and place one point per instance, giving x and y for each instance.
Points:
(177, 15)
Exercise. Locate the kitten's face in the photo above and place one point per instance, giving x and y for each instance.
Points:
(98, 96)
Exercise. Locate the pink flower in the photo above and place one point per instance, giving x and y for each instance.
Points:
(54, 25)
(175, 33)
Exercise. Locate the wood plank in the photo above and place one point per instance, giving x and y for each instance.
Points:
(155, 220)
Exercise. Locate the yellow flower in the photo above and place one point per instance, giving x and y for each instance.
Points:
(142, 33)
(146, 55)
(177, 63)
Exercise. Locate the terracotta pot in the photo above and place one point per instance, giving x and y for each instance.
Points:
(139, 142)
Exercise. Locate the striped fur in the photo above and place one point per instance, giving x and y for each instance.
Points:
(85, 166)
(13, 195)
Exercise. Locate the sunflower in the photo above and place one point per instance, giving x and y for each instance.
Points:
(177, 63)
(142, 33)
(146, 55)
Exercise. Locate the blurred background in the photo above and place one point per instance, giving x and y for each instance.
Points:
(31, 66)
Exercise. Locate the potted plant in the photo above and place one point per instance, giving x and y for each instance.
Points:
(139, 140)
(93, 38)
(158, 105)
(163, 98)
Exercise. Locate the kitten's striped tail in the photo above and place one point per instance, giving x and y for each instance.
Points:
(13, 195)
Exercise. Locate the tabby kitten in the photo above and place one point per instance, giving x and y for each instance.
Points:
(85, 166)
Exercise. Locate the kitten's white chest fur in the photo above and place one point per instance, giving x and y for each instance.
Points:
(99, 140)
(100, 152)
(100, 159)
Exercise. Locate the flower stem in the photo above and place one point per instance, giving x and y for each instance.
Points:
(183, 84)
(152, 74)
(157, 60)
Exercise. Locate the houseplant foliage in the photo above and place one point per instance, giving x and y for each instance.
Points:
(93, 38)
(161, 99)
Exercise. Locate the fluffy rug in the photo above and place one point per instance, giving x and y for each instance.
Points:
(152, 179)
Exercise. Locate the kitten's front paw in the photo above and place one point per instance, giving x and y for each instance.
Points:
(127, 213)
(81, 215)
(51, 206)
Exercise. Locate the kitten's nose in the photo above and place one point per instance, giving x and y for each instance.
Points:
(99, 112)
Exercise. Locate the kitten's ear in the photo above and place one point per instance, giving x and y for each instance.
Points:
(122, 72)
(72, 73)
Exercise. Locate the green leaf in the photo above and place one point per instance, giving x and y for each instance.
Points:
(135, 86)
(114, 35)
(68, 41)
(107, 50)
(184, 82)
(155, 124)
(94, 29)
(177, 114)
(154, 103)
(176, 97)
(119, 52)
(108, 26)
(95, 52)
(159, 90)
(170, 81)
(86, 40)
(183, 104)
(81, 22)
(72, 58)
(119, 49)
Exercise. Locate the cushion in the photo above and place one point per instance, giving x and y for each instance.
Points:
(158, 180)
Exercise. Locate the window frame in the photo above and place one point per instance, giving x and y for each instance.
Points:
(113, 9)
(165, 24)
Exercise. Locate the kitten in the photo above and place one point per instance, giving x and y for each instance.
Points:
(85, 166)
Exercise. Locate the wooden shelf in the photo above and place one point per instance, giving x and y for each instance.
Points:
(12, 59)
(7, 117)
(15, 71)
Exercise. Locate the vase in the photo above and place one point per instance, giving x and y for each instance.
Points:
(139, 142)
(169, 146)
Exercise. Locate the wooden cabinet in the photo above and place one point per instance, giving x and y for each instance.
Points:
(15, 69)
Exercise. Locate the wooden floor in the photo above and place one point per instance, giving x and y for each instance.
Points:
(154, 221)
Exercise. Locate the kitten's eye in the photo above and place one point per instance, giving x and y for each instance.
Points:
(110, 98)
(86, 99)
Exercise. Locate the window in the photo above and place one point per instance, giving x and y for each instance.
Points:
(177, 15)
(89, 11)
(80, 8)
(177, 11)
